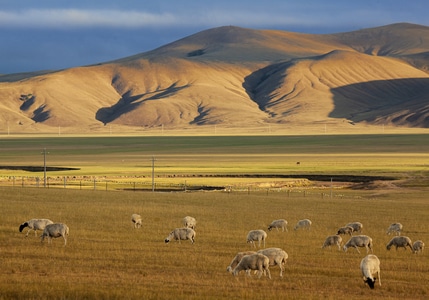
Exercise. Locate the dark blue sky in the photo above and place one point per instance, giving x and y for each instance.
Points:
(57, 34)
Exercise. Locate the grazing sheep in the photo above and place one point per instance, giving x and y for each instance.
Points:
(55, 231)
(257, 261)
(137, 220)
(418, 246)
(400, 241)
(276, 256)
(179, 234)
(396, 228)
(359, 241)
(357, 226)
(35, 224)
(345, 230)
(256, 235)
(281, 223)
(189, 222)
(369, 266)
(306, 223)
(333, 240)
(237, 259)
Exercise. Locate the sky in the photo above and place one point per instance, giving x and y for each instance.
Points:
(58, 34)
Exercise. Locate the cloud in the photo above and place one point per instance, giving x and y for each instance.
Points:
(77, 18)
(109, 18)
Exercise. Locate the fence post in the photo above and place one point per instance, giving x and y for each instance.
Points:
(65, 179)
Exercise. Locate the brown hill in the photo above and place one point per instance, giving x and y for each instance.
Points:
(237, 77)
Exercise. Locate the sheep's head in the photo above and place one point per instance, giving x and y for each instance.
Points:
(269, 228)
(388, 246)
(370, 282)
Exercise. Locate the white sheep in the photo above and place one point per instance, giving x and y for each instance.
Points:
(345, 230)
(333, 240)
(189, 222)
(305, 224)
(357, 226)
(55, 231)
(179, 234)
(359, 241)
(237, 259)
(281, 223)
(256, 235)
(369, 266)
(35, 224)
(395, 227)
(418, 246)
(257, 262)
(276, 256)
(137, 220)
(400, 241)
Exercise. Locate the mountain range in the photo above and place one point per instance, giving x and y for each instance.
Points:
(237, 77)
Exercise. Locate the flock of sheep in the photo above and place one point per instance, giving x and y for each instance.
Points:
(260, 261)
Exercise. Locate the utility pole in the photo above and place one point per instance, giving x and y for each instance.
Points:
(153, 174)
(44, 167)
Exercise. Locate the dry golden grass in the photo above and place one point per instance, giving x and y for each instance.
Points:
(107, 258)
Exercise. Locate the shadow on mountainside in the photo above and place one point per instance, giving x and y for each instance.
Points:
(399, 101)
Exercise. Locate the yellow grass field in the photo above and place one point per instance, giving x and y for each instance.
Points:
(107, 258)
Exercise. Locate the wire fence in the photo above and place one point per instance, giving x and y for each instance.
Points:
(106, 184)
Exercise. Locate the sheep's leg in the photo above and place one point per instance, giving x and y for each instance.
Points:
(281, 269)
(65, 240)
(357, 249)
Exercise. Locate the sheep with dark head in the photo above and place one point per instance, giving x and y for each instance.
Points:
(369, 266)
(137, 220)
(35, 224)
(55, 231)
(345, 230)
(179, 234)
(278, 224)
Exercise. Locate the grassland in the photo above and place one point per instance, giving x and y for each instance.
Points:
(106, 258)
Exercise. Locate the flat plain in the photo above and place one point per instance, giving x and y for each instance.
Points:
(107, 258)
